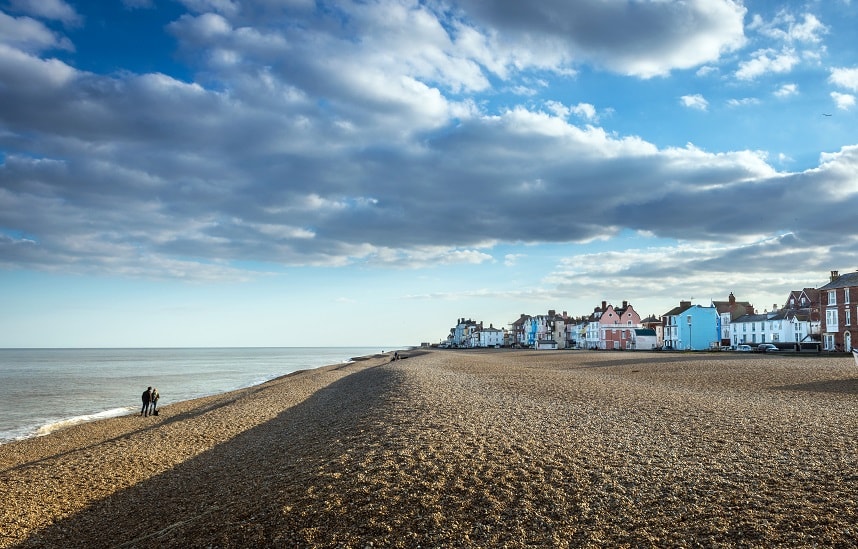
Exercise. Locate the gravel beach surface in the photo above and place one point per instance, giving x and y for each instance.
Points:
(465, 449)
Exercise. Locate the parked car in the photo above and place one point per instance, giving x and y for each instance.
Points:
(744, 348)
(766, 348)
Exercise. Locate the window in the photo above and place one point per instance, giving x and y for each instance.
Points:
(848, 319)
(831, 320)
(846, 295)
(832, 297)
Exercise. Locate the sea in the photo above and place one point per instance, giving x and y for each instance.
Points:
(42, 390)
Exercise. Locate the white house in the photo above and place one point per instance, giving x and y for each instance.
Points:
(643, 339)
(546, 344)
(487, 337)
(783, 326)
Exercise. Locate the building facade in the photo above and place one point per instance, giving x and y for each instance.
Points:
(727, 311)
(839, 299)
(691, 328)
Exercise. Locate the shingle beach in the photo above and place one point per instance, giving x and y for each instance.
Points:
(465, 449)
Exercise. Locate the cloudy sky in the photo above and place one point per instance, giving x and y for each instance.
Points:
(312, 172)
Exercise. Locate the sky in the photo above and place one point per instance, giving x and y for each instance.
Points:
(197, 173)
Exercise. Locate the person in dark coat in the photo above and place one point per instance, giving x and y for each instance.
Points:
(147, 396)
(153, 401)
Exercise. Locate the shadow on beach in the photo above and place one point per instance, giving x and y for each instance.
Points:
(844, 386)
(239, 492)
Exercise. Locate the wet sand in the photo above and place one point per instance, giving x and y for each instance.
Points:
(465, 449)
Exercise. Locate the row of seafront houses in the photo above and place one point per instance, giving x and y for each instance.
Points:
(819, 319)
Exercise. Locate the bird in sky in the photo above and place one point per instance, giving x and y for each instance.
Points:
(825, 114)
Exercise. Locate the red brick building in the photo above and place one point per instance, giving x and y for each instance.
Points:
(838, 300)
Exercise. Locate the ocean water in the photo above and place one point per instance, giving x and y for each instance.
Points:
(42, 390)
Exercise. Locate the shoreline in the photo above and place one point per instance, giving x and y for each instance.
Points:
(46, 424)
(523, 448)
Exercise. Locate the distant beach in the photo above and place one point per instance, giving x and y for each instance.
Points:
(49, 389)
(467, 449)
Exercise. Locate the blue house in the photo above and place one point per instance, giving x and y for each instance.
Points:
(691, 327)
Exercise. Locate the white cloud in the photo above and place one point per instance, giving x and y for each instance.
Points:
(56, 10)
(29, 35)
(228, 8)
(695, 101)
(644, 39)
(786, 90)
(844, 101)
(745, 101)
(809, 30)
(585, 111)
(786, 27)
(845, 77)
(767, 61)
(323, 149)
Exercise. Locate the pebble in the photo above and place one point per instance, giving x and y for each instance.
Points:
(464, 449)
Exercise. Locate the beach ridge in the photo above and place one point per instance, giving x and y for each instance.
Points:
(463, 448)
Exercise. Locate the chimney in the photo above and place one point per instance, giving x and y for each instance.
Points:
(685, 304)
(625, 304)
(732, 299)
(834, 275)
(604, 305)
(551, 312)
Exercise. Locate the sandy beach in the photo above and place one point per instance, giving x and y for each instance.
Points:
(465, 449)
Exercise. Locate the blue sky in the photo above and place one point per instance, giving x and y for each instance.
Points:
(294, 172)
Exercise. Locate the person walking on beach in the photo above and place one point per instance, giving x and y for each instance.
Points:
(153, 401)
(147, 396)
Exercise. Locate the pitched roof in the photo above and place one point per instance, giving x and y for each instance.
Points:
(749, 318)
(843, 281)
(675, 311)
(737, 308)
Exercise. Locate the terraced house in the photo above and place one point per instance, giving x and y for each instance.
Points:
(839, 299)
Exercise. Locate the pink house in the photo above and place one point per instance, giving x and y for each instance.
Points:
(617, 326)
